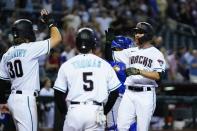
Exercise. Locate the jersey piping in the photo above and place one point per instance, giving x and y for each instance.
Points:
(115, 87)
(4, 78)
(58, 88)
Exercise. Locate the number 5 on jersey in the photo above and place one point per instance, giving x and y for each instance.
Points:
(88, 83)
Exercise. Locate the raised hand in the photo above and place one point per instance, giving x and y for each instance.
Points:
(46, 18)
(109, 35)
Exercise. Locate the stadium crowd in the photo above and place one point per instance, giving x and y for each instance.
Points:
(174, 15)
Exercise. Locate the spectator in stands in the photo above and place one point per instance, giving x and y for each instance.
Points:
(68, 35)
(162, 7)
(69, 4)
(84, 15)
(184, 59)
(173, 69)
(72, 20)
(47, 107)
(104, 21)
(67, 53)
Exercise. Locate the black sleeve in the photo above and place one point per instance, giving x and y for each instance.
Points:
(161, 74)
(5, 86)
(108, 52)
(111, 101)
(60, 101)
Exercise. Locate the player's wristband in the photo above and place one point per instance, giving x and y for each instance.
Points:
(52, 25)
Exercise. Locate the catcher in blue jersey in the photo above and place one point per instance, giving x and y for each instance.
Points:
(119, 43)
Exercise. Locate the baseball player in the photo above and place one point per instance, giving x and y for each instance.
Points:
(20, 65)
(145, 65)
(91, 83)
(118, 44)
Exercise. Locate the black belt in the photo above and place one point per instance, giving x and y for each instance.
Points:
(93, 102)
(139, 89)
(21, 92)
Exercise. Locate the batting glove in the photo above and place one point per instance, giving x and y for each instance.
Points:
(132, 71)
(47, 18)
(109, 35)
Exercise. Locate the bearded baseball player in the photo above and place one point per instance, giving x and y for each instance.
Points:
(118, 44)
(91, 83)
(145, 66)
(20, 65)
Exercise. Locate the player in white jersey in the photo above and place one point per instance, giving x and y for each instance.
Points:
(20, 65)
(145, 65)
(91, 83)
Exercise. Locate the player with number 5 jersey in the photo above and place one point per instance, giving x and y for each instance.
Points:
(91, 83)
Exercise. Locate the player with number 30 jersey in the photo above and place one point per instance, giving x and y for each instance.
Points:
(20, 65)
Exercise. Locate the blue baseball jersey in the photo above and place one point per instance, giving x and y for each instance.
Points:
(119, 67)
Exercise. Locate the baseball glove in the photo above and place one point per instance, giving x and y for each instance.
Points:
(132, 71)
(109, 35)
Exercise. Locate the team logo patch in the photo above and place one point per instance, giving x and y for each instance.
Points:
(116, 68)
(160, 62)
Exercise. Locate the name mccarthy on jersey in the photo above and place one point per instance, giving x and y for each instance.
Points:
(84, 63)
(141, 60)
(15, 53)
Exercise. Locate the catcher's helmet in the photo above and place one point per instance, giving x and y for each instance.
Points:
(146, 29)
(23, 29)
(85, 40)
(122, 42)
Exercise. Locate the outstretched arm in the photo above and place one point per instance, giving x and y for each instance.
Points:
(108, 50)
(148, 74)
(60, 101)
(111, 101)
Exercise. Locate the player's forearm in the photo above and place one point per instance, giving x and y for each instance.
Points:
(60, 101)
(3, 84)
(108, 52)
(150, 75)
(111, 101)
(56, 37)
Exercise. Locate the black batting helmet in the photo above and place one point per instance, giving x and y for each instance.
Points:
(146, 29)
(23, 29)
(85, 40)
